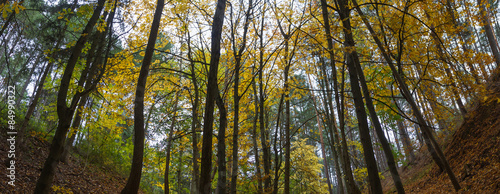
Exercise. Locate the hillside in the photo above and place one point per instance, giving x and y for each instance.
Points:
(473, 152)
(77, 176)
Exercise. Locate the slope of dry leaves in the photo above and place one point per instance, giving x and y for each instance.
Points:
(473, 152)
(77, 176)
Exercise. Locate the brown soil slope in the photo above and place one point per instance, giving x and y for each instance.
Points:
(75, 177)
(473, 152)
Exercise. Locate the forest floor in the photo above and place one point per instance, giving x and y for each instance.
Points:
(473, 152)
(77, 176)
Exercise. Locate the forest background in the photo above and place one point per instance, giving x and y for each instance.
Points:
(256, 96)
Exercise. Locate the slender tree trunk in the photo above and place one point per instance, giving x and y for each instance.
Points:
(277, 151)
(195, 123)
(87, 76)
(332, 126)
(134, 178)
(64, 112)
(407, 145)
(323, 153)
(221, 147)
(266, 150)
(238, 53)
(255, 136)
(386, 147)
(34, 102)
(169, 145)
(287, 120)
(432, 145)
(206, 155)
(351, 187)
(353, 64)
(76, 124)
(489, 34)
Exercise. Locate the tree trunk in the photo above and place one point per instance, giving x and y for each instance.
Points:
(432, 145)
(386, 147)
(212, 89)
(287, 120)
(195, 123)
(41, 83)
(323, 153)
(277, 151)
(64, 112)
(364, 133)
(266, 150)
(169, 145)
(238, 52)
(490, 35)
(134, 178)
(221, 147)
(255, 136)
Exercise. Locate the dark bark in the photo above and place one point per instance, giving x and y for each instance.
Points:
(41, 83)
(352, 65)
(206, 152)
(277, 147)
(391, 163)
(195, 124)
(432, 145)
(490, 35)
(238, 52)
(169, 145)
(64, 112)
(75, 125)
(134, 178)
(255, 136)
(85, 78)
(266, 149)
(221, 147)
(287, 120)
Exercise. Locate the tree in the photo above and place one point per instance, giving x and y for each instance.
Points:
(134, 179)
(212, 89)
(64, 112)
(352, 65)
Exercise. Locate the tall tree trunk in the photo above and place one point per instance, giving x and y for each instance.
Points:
(320, 128)
(266, 150)
(41, 83)
(349, 179)
(93, 63)
(407, 145)
(386, 147)
(134, 178)
(351, 184)
(221, 147)
(64, 112)
(258, 173)
(238, 53)
(287, 120)
(169, 145)
(432, 145)
(277, 151)
(490, 35)
(353, 64)
(212, 90)
(76, 124)
(332, 126)
(195, 124)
